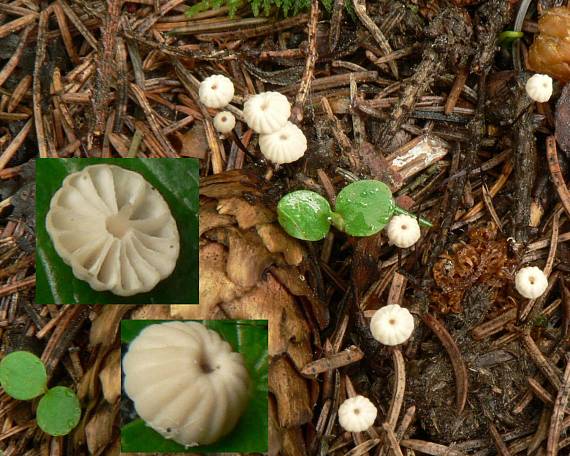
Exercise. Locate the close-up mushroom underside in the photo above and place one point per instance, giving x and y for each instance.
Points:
(285, 227)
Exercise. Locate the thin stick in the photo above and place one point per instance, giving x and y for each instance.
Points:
(457, 362)
(558, 413)
(360, 10)
(15, 145)
(392, 440)
(37, 89)
(549, 371)
(556, 173)
(398, 389)
(104, 69)
(241, 146)
(304, 87)
(15, 58)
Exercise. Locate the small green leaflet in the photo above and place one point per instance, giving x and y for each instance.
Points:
(365, 206)
(59, 411)
(23, 375)
(305, 215)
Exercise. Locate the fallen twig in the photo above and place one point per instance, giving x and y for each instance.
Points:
(459, 368)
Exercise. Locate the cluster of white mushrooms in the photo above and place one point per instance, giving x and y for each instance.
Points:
(393, 325)
(281, 141)
(266, 113)
(539, 87)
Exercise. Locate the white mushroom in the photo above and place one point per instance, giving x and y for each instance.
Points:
(403, 231)
(539, 87)
(267, 112)
(224, 122)
(186, 382)
(216, 91)
(392, 325)
(357, 414)
(285, 145)
(114, 229)
(531, 282)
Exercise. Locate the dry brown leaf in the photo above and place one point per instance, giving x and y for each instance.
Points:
(194, 142)
(247, 215)
(99, 430)
(291, 392)
(247, 256)
(211, 219)
(277, 241)
(275, 434)
(288, 330)
(106, 326)
(110, 376)
(151, 312)
(563, 119)
(215, 286)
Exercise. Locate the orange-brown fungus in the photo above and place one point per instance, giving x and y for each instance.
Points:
(550, 52)
(483, 259)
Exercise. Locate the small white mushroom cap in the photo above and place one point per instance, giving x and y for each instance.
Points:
(403, 231)
(392, 325)
(285, 145)
(216, 91)
(114, 229)
(539, 87)
(224, 122)
(357, 414)
(186, 382)
(267, 112)
(531, 282)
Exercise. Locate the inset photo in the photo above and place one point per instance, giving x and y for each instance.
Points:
(117, 231)
(194, 386)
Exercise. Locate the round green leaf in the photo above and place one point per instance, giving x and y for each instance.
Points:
(365, 206)
(248, 337)
(176, 180)
(23, 375)
(304, 215)
(59, 411)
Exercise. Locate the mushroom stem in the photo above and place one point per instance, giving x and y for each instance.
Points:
(421, 221)
(241, 146)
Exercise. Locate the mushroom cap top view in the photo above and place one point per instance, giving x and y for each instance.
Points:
(114, 229)
(186, 382)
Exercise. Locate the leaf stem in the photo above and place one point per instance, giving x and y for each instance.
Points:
(337, 221)
(422, 221)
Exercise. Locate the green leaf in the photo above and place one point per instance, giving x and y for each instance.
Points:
(177, 181)
(23, 375)
(249, 337)
(365, 206)
(59, 411)
(304, 215)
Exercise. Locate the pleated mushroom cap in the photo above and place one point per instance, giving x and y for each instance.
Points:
(224, 122)
(186, 382)
(216, 91)
(357, 414)
(531, 282)
(285, 145)
(114, 229)
(267, 112)
(539, 87)
(403, 231)
(392, 325)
